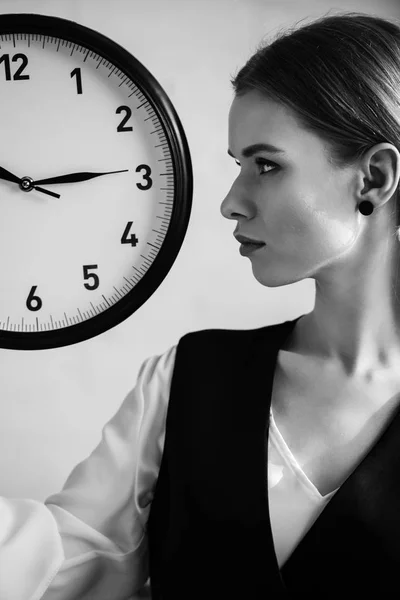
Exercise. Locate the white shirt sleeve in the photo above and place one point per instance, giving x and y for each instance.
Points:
(88, 541)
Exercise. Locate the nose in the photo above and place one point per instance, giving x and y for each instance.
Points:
(233, 206)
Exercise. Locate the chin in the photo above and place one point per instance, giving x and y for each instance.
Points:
(272, 279)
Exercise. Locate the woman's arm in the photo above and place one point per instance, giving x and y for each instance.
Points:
(88, 540)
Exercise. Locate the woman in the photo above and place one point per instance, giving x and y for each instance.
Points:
(262, 463)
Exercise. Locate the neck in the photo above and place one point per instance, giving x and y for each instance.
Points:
(356, 317)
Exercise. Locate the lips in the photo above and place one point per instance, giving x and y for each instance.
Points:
(245, 240)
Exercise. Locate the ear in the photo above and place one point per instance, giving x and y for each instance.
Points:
(379, 174)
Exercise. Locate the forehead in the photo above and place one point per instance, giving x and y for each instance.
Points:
(254, 118)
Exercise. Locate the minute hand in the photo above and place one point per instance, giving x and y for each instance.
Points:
(74, 177)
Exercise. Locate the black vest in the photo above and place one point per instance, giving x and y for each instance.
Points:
(209, 529)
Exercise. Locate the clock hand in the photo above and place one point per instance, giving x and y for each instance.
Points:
(39, 189)
(4, 174)
(75, 177)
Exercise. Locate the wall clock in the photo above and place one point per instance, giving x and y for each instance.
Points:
(95, 183)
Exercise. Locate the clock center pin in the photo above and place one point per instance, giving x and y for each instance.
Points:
(26, 184)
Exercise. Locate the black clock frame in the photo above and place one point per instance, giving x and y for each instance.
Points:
(71, 31)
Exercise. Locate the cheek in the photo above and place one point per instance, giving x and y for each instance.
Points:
(290, 224)
(298, 225)
(334, 229)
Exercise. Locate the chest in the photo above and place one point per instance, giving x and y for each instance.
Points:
(328, 421)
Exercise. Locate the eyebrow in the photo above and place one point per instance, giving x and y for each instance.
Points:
(250, 150)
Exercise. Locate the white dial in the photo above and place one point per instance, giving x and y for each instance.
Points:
(87, 185)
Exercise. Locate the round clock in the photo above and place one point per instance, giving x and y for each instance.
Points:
(95, 183)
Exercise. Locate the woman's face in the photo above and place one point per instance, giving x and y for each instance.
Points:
(296, 202)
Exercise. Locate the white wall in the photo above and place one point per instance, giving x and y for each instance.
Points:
(53, 403)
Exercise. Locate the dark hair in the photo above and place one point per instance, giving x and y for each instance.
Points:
(340, 75)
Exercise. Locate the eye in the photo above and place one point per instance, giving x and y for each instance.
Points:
(263, 162)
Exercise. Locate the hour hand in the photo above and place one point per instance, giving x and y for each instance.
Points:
(4, 174)
(74, 177)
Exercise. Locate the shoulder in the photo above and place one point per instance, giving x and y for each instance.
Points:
(210, 342)
(231, 342)
(228, 335)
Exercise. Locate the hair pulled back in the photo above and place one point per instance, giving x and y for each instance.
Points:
(340, 74)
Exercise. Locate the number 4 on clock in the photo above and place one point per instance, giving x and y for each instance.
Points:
(132, 239)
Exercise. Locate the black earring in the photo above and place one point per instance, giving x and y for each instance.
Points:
(366, 207)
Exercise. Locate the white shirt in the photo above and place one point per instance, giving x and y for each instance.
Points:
(88, 541)
(294, 501)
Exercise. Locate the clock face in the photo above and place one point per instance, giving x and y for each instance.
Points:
(95, 183)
